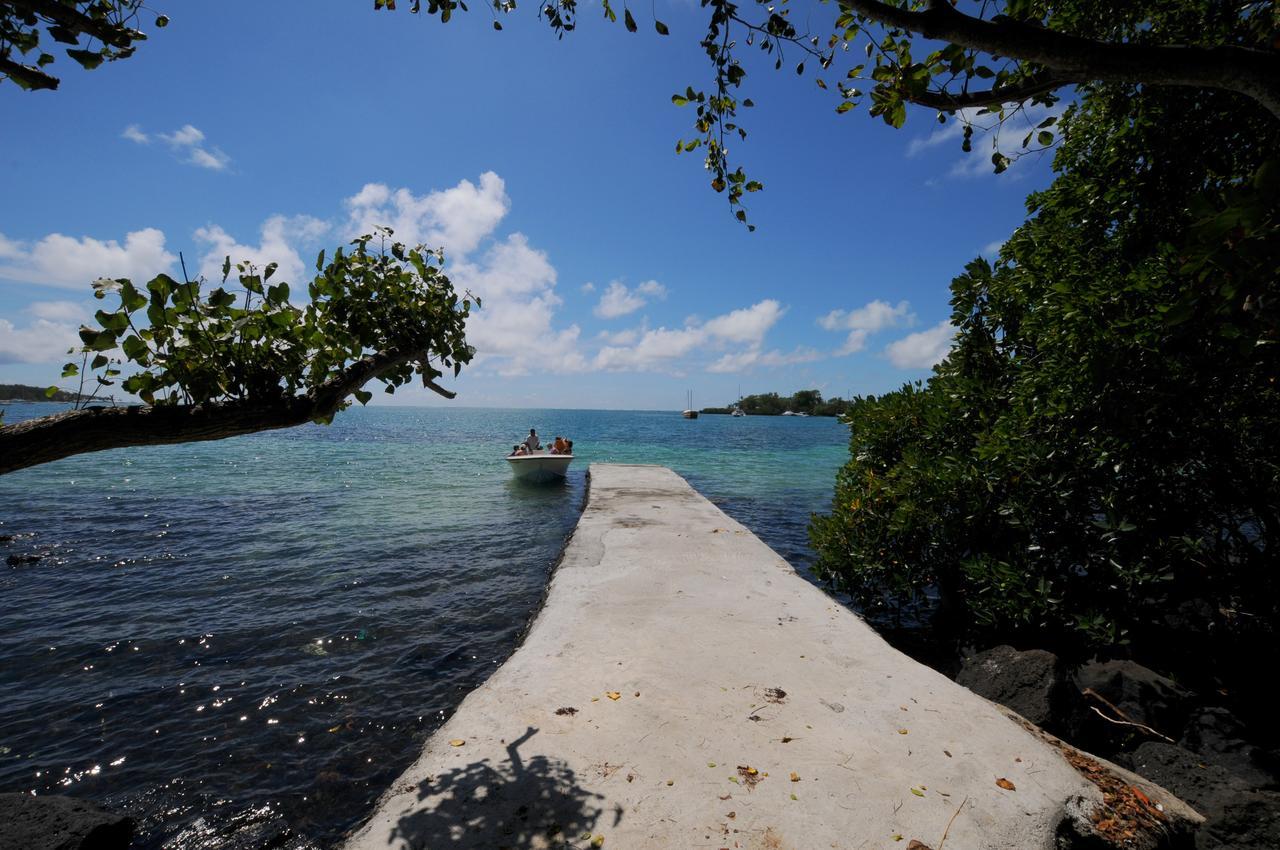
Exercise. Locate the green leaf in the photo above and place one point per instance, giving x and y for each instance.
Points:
(89, 59)
(628, 21)
(49, 392)
(134, 348)
(679, 100)
(661, 28)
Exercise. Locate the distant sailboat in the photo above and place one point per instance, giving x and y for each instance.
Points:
(689, 412)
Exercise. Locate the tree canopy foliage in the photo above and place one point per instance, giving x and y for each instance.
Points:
(809, 402)
(239, 359)
(91, 32)
(1098, 451)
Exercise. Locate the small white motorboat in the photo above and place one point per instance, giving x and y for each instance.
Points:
(539, 467)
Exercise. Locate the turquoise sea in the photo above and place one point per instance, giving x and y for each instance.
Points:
(244, 642)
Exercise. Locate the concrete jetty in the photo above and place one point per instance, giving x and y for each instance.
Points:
(683, 688)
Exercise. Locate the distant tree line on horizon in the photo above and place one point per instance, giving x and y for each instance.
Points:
(22, 392)
(772, 404)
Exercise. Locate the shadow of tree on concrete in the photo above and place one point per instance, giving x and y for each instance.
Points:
(517, 804)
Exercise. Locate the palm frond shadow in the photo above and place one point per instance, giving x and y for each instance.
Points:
(517, 804)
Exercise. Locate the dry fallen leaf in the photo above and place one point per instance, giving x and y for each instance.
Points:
(567, 711)
(671, 782)
(794, 797)
(795, 777)
(918, 845)
(711, 764)
(731, 815)
(1006, 784)
(897, 836)
(613, 695)
(786, 739)
(457, 742)
(902, 731)
(598, 841)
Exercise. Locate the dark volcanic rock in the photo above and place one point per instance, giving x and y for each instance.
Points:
(1248, 822)
(1142, 694)
(1238, 816)
(1218, 737)
(60, 823)
(1033, 683)
(1204, 786)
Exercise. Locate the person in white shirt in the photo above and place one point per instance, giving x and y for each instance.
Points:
(531, 442)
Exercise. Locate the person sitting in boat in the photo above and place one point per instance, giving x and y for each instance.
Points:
(568, 447)
(531, 442)
(517, 450)
(558, 447)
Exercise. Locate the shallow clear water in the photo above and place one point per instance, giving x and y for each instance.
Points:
(246, 641)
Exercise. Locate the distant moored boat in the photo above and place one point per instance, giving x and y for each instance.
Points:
(689, 412)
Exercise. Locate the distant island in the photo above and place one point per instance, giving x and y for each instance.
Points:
(809, 402)
(22, 392)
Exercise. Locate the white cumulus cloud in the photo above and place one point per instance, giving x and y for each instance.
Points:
(862, 322)
(187, 143)
(278, 242)
(58, 311)
(665, 348)
(617, 300)
(67, 261)
(456, 219)
(743, 360)
(39, 342)
(134, 134)
(515, 331)
(922, 349)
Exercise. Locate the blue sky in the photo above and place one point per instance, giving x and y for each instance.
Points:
(612, 275)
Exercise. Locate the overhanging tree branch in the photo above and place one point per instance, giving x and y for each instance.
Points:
(99, 428)
(27, 76)
(944, 100)
(78, 22)
(1253, 73)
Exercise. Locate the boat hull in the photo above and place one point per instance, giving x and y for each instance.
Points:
(537, 469)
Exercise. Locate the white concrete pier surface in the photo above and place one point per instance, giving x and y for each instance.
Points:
(684, 688)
